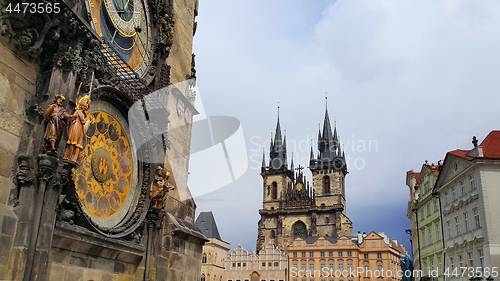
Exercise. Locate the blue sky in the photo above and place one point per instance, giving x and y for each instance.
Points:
(419, 78)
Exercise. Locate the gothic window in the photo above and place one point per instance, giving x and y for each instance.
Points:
(273, 234)
(274, 191)
(203, 277)
(326, 184)
(299, 230)
(204, 258)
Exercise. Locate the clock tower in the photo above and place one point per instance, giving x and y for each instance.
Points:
(99, 98)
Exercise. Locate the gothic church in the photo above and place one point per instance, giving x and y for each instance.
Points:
(291, 207)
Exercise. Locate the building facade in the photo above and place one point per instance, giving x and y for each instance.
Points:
(213, 257)
(94, 97)
(425, 215)
(362, 257)
(469, 187)
(291, 207)
(270, 264)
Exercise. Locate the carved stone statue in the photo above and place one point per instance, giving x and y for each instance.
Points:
(159, 188)
(56, 114)
(76, 130)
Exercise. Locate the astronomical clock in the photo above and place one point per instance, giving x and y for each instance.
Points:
(126, 26)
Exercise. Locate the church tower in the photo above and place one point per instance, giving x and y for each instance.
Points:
(291, 207)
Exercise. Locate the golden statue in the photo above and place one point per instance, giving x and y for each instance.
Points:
(159, 188)
(56, 115)
(76, 130)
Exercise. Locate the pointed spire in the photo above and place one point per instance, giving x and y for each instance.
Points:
(263, 157)
(291, 165)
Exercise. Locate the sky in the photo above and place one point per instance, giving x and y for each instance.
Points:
(414, 79)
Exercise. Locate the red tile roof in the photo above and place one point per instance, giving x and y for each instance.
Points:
(461, 153)
(491, 145)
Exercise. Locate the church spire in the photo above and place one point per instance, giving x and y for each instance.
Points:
(327, 142)
(263, 157)
(277, 154)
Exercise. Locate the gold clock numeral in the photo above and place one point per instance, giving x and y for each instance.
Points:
(91, 4)
(94, 20)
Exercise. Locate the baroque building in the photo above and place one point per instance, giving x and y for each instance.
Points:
(96, 107)
(424, 213)
(292, 207)
(469, 187)
(359, 257)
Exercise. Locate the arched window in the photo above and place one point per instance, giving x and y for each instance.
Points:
(273, 234)
(204, 259)
(202, 277)
(299, 230)
(326, 184)
(274, 191)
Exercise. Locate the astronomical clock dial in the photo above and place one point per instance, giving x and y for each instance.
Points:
(125, 25)
(105, 179)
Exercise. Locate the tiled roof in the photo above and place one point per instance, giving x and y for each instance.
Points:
(461, 153)
(206, 223)
(491, 145)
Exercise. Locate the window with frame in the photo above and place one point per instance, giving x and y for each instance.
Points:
(349, 254)
(322, 254)
(379, 255)
(460, 261)
(331, 267)
(311, 267)
(453, 194)
(304, 267)
(380, 268)
(462, 188)
(438, 234)
(452, 263)
(448, 228)
(311, 254)
(432, 264)
(472, 182)
(296, 267)
(340, 254)
(326, 184)
(429, 231)
(457, 225)
(322, 266)
(440, 265)
(274, 191)
(367, 268)
(446, 198)
(294, 254)
(263, 264)
(374, 244)
(466, 222)
(470, 256)
(435, 205)
(204, 258)
(303, 254)
(276, 263)
(422, 214)
(366, 256)
(330, 254)
(341, 267)
(477, 222)
(422, 235)
(349, 267)
(202, 277)
(428, 210)
(481, 257)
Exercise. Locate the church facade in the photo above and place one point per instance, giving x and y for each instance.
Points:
(293, 208)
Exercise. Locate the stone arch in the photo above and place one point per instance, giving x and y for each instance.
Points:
(299, 230)
(204, 258)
